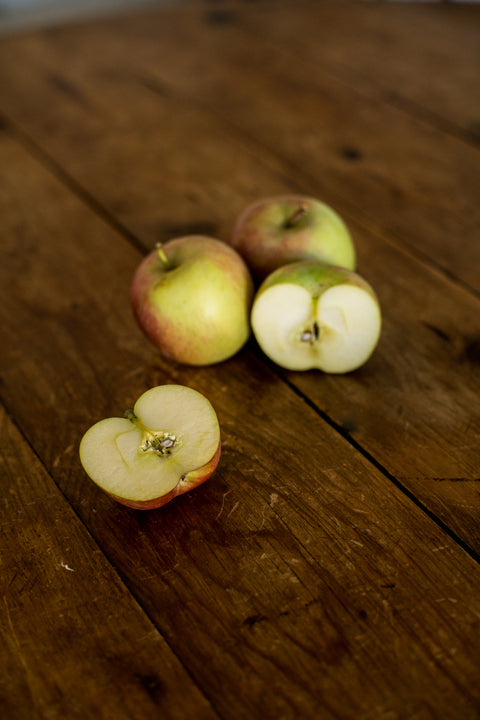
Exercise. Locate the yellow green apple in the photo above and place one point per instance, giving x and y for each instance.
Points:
(192, 298)
(283, 229)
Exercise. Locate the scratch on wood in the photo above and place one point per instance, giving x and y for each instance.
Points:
(357, 542)
(67, 567)
(264, 519)
(223, 503)
(67, 450)
(233, 508)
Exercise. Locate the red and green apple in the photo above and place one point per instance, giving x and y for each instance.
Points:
(192, 298)
(283, 229)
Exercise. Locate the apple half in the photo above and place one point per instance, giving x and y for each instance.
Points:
(310, 315)
(167, 445)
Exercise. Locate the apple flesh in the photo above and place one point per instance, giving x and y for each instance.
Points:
(167, 445)
(192, 299)
(312, 315)
(280, 230)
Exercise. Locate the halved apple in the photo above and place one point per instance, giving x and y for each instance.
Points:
(314, 315)
(167, 445)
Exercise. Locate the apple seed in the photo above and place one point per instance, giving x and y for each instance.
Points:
(161, 443)
(311, 336)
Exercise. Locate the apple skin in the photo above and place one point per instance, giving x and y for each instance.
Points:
(192, 299)
(337, 325)
(188, 482)
(283, 229)
(315, 277)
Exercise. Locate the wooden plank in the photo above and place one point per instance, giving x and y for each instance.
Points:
(422, 57)
(86, 127)
(343, 143)
(405, 407)
(414, 408)
(298, 577)
(348, 143)
(74, 643)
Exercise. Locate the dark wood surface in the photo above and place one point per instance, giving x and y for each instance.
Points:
(330, 567)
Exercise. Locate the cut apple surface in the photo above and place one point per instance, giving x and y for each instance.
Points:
(168, 444)
(311, 315)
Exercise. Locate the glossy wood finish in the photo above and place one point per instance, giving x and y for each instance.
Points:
(329, 568)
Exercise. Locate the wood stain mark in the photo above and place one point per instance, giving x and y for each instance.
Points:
(438, 331)
(151, 683)
(474, 131)
(351, 153)
(252, 620)
(68, 89)
(220, 17)
(154, 85)
(471, 352)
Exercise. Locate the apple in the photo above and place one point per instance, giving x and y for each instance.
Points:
(167, 445)
(313, 315)
(280, 230)
(192, 298)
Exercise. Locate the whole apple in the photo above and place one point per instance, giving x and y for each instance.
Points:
(280, 230)
(192, 298)
(167, 445)
(314, 315)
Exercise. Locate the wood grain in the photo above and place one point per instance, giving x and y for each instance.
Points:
(334, 137)
(329, 568)
(326, 555)
(423, 60)
(415, 410)
(74, 642)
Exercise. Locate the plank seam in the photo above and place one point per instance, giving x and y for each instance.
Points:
(381, 468)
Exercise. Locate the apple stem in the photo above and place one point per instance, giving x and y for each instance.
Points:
(161, 254)
(293, 219)
(130, 415)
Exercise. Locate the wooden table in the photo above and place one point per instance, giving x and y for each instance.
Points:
(330, 567)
